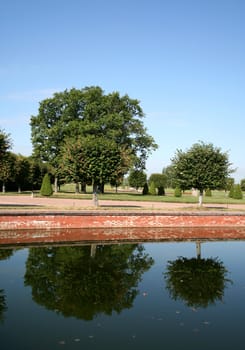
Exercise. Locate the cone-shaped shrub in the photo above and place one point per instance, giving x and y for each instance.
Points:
(161, 191)
(237, 192)
(46, 188)
(152, 188)
(145, 189)
(177, 192)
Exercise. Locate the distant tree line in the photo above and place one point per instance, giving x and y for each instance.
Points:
(18, 173)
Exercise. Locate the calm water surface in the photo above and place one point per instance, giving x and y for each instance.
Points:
(129, 296)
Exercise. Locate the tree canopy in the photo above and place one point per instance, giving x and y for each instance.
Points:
(5, 143)
(75, 114)
(202, 167)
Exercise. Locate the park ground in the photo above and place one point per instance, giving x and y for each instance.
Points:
(24, 202)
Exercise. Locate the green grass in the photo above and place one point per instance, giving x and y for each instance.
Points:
(220, 197)
(68, 191)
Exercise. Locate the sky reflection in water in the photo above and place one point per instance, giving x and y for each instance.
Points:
(155, 295)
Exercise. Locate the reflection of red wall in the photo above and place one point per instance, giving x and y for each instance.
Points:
(61, 227)
(115, 235)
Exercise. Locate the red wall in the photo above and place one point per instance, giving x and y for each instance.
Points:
(61, 227)
(108, 220)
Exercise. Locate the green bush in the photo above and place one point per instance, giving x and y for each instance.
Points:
(177, 192)
(243, 184)
(231, 192)
(46, 188)
(152, 188)
(161, 191)
(145, 189)
(237, 192)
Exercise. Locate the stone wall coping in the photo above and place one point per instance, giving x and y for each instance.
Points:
(117, 213)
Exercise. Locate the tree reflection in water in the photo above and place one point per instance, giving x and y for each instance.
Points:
(73, 282)
(197, 281)
(4, 254)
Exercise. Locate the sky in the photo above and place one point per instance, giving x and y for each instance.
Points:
(184, 60)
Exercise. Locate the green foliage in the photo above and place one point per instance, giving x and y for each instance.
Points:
(93, 159)
(237, 192)
(231, 192)
(152, 188)
(243, 184)
(169, 174)
(158, 179)
(75, 114)
(208, 192)
(5, 144)
(230, 181)
(145, 189)
(161, 191)
(177, 192)
(137, 178)
(201, 167)
(46, 188)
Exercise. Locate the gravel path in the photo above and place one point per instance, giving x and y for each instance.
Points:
(43, 203)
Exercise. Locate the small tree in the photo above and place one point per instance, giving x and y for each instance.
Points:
(145, 189)
(237, 192)
(177, 192)
(137, 178)
(152, 188)
(243, 184)
(230, 181)
(201, 167)
(231, 192)
(46, 188)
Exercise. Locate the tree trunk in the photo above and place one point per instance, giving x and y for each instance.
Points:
(83, 187)
(200, 198)
(55, 184)
(19, 189)
(93, 250)
(95, 195)
(198, 250)
(77, 188)
(3, 187)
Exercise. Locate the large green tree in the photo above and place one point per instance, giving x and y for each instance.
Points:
(79, 113)
(202, 167)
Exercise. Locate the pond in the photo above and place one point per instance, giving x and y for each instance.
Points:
(166, 295)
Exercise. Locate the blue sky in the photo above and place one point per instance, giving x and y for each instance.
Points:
(183, 59)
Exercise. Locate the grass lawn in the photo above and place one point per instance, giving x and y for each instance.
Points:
(68, 191)
(221, 197)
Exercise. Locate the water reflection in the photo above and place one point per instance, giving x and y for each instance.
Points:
(197, 281)
(86, 281)
(3, 305)
(4, 254)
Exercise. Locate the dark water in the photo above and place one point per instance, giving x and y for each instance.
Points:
(132, 296)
